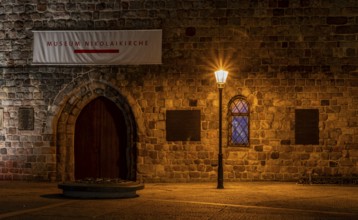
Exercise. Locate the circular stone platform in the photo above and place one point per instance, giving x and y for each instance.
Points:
(101, 188)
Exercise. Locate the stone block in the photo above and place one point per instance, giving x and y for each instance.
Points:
(3, 151)
(335, 155)
(233, 155)
(268, 176)
(305, 156)
(267, 148)
(203, 155)
(273, 169)
(353, 83)
(153, 154)
(333, 164)
(285, 142)
(346, 162)
(145, 169)
(239, 168)
(258, 148)
(31, 159)
(337, 20)
(194, 174)
(353, 153)
(346, 29)
(275, 155)
(252, 156)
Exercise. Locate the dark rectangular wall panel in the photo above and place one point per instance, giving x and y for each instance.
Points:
(183, 125)
(26, 119)
(306, 126)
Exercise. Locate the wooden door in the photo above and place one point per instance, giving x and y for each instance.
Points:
(100, 141)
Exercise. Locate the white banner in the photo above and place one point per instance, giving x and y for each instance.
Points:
(100, 47)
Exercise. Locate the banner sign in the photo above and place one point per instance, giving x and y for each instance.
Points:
(99, 47)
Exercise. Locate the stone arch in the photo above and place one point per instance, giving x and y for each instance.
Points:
(65, 110)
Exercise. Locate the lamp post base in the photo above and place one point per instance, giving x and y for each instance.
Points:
(220, 172)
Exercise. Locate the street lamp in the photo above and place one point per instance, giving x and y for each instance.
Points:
(220, 76)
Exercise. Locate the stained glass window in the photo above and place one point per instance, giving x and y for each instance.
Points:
(239, 122)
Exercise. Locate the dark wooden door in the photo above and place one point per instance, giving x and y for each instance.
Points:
(100, 141)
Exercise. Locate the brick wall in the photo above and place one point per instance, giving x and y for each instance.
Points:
(282, 55)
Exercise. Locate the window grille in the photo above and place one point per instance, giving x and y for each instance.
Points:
(238, 121)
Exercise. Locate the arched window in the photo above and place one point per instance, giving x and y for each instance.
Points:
(238, 121)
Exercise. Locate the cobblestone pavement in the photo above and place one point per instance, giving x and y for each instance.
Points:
(239, 200)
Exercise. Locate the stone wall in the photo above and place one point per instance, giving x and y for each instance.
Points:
(282, 55)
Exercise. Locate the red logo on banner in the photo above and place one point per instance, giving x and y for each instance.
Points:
(97, 51)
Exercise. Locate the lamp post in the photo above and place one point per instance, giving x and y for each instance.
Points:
(220, 76)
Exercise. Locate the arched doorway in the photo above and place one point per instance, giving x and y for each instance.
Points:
(101, 141)
(66, 109)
